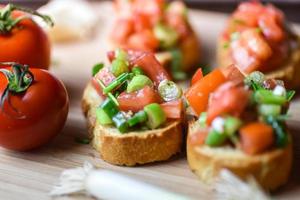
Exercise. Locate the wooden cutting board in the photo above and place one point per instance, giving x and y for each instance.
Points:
(31, 175)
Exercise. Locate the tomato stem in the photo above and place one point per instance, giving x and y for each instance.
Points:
(19, 80)
(7, 22)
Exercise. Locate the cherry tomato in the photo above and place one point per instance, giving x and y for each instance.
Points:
(25, 43)
(137, 100)
(31, 118)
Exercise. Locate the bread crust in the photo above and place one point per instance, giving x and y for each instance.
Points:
(289, 72)
(271, 169)
(131, 148)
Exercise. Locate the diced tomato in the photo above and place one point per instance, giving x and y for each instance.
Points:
(141, 22)
(153, 9)
(198, 94)
(123, 28)
(198, 138)
(256, 137)
(197, 76)
(105, 76)
(227, 99)
(173, 109)
(176, 18)
(143, 40)
(152, 68)
(136, 101)
(271, 28)
(233, 73)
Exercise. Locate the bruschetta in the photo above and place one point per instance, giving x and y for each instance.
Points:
(258, 37)
(134, 111)
(240, 126)
(159, 27)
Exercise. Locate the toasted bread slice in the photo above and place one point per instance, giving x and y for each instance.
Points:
(289, 72)
(132, 148)
(271, 169)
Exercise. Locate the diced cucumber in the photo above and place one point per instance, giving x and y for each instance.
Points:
(102, 117)
(155, 114)
(215, 138)
(138, 82)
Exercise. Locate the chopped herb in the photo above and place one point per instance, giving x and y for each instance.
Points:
(238, 21)
(258, 30)
(280, 135)
(82, 140)
(226, 45)
(176, 64)
(290, 94)
(97, 68)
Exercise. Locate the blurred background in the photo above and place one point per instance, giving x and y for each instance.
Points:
(290, 7)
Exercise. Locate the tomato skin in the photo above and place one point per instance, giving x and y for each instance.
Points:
(44, 107)
(26, 44)
(198, 94)
(136, 101)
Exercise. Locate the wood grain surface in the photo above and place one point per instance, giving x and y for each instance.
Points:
(30, 175)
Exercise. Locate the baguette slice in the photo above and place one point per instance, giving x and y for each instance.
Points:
(289, 72)
(270, 169)
(134, 147)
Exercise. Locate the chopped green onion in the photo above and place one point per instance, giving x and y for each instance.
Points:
(167, 36)
(137, 71)
(97, 68)
(202, 119)
(121, 54)
(278, 127)
(120, 122)
(269, 109)
(109, 107)
(169, 90)
(138, 118)
(290, 94)
(119, 67)
(215, 138)
(118, 81)
(231, 125)
(176, 64)
(263, 96)
(155, 114)
(102, 117)
(138, 82)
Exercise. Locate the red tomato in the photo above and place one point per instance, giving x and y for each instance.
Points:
(122, 30)
(35, 116)
(152, 68)
(198, 94)
(106, 76)
(143, 40)
(233, 74)
(173, 109)
(197, 76)
(256, 137)
(227, 99)
(198, 138)
(136, 101)
(26, 43)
